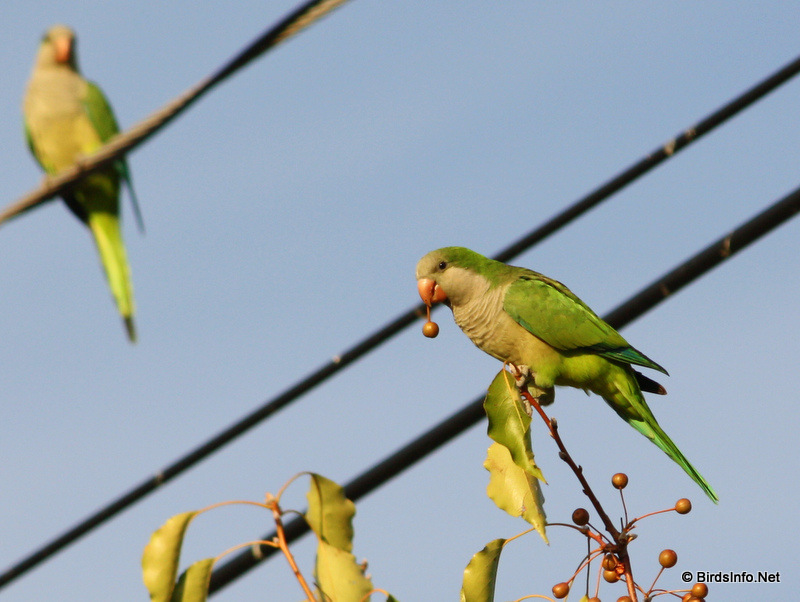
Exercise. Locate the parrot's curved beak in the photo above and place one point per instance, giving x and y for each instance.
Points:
(430, 292)
(63, 47)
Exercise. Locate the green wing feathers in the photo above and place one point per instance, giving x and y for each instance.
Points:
(105, 124)
(29, 142)
(549, 310)
(100, 113)
(629, 355)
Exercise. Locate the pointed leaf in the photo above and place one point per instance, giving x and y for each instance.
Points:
(161, 556)
(481, 573)
(513, 489)
(339, 577)
(330, 513)
(509, 423)
(193, 584)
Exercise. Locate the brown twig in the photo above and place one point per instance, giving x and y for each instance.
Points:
(598, 537)
(649, 514)
(620, 547)
(272, 504)
(552, 426)
(653, 585)
(629, 575)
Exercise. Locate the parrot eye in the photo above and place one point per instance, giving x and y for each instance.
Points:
(442, 265)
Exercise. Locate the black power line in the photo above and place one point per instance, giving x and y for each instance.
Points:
(471, 414)
(391, 328)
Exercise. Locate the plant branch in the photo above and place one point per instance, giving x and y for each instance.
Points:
(552, 426)
(629, 576)
(281, 540)
(598, 537)
(620, 546)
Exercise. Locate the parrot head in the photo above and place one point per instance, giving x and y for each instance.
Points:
(453, 276)
(58, 47)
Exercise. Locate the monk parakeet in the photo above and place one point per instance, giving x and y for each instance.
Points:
(66, 118)
(547, 334)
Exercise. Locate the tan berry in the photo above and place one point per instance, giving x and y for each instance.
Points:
(580, 517)
(620, 480)
(699, 590)
(430, 330)
(561, 590)
(668, 559)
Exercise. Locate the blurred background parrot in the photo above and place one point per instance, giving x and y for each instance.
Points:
(67, 118)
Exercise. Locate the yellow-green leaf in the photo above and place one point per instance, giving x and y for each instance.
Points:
(330, 513)
(481, 573)
(161, 556)
(339, 577)
(509, 423)
(513, 489)
(193, 584)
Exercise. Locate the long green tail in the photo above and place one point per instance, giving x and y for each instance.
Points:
(107, 236)
(633, 409)
(656, 434)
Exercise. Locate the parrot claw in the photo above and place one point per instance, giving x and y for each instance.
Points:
(522, 375)
(525, 380)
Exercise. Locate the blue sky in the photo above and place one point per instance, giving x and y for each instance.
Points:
(285, 214)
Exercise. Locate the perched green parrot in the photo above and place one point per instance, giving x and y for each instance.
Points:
(548, 336)
(67, 118)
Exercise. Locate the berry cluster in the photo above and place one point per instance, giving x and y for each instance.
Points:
(614, 566)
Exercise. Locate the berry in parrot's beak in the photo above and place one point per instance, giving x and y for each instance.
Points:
(430, 293)
(430, 329)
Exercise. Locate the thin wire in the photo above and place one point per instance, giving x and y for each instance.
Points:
(645, 300)
(398, 324)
